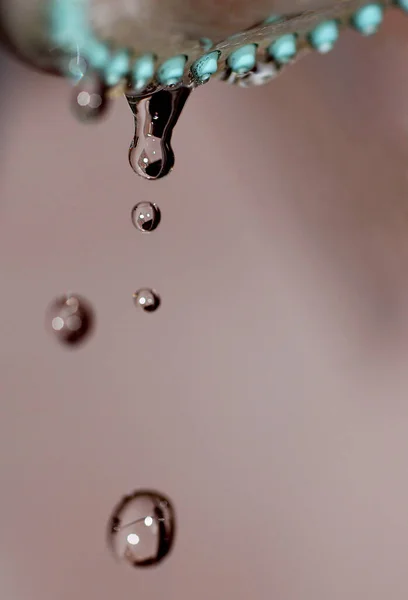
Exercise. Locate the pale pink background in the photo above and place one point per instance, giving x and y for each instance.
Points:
(269, 395)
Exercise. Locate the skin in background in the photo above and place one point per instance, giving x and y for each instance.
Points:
(145, 25)
(276, 403)
(279, 385)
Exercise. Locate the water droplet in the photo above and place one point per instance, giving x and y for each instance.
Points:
(150, 154)
(147, 299)
(90, 98)
(141, 528)
(146, 216)
(71, 319)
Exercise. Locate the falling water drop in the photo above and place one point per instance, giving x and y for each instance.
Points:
(147, 299)
(146, 216)
(90, 98)
(150, 154)
(141, 528)
(71, 319)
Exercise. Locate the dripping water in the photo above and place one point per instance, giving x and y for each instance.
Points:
(150, 154)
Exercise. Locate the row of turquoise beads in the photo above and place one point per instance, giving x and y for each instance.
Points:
(70, 31)
(366, 20)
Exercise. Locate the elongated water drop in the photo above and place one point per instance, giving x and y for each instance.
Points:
(141, 528)
(150, 154)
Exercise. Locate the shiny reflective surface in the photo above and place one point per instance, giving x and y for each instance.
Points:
(70, 318)
(142, 528)
(146, 217)
(147, 299)
(151, 155)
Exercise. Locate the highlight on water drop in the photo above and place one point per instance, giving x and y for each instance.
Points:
(141, 529)
(147, 299)
(71, 319)
(146, 217)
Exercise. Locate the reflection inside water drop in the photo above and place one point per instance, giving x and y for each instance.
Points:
(150, 154)
(147, 299)
(141, 529)
(71, 318)
(146, 216)
(90, 98)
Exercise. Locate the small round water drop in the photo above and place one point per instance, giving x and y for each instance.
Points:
(147, 299)
(71, 319)
(141, 529)
(90, 98)
(146, 217)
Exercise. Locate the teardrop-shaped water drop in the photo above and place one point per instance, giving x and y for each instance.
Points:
(90, 98)
(150, 154)
(141, 529)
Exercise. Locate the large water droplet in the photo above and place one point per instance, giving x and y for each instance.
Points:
(150, 154)
(141, 529)
(90, 98)
(147, 299)
(146, 216)
(71, 319)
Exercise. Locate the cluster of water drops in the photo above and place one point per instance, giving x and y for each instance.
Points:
(71, 316)
(141, 528)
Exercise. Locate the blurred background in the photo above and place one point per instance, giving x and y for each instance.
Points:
(268, 394)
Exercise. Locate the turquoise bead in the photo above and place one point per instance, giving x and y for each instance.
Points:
(117, 68)
(172, 70)
(68, 24)
(403, 4)
(243, 59)
(324, 36)
(272, 19)
(367, 19)
(284, 48)
(142, 71)
(96, 53)
(205, 66)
